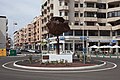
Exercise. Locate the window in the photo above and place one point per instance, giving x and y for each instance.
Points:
(60, 3)
(102, 24)
(90, 5)
(81, 23)
(114, 14)
(101, 15)
(51, 6)
(29, 39)
(118, 32)
(81, 14)
(66, 4)
(118, 13)
(66, 13)
(76, 5)
(93, 33)
(70, 33)
(78, 33)
(29, 34)
(76, 14)
(76, 23)
(60, 13)
(90, 23)
(105, 33)
(29, 29)
(101, 5)
(89, 14)
(81, 5)
(78, 47)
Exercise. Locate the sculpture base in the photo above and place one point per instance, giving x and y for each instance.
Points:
(57, 57)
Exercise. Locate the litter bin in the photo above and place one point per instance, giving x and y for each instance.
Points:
(2, 52)
(12, 53)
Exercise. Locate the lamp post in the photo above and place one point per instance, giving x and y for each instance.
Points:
(72, 24)
(83, 36)
(83, 44)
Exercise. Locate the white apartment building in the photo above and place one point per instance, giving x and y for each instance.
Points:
(97, 20)
(3, 29)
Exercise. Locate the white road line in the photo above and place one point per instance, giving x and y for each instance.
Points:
(4, 65)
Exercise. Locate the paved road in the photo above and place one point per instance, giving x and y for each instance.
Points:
(6, 74)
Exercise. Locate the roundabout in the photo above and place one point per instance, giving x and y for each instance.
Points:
(92, 68)
(109, 71)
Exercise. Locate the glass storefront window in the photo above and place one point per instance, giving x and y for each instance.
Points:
(78, 33)
(93, 33)
(70, 33)
(78, 47)
(104, 33)
(68, 46)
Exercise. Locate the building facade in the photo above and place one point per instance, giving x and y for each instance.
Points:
(29, 37)
(92, 22)
(3, 30)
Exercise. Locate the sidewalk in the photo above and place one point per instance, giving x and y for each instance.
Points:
(104, 56)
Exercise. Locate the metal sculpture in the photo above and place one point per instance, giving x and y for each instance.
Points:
(56, 26)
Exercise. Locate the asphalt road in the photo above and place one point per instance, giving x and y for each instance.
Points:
(6, 74)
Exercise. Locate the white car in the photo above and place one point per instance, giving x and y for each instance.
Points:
(31, 50)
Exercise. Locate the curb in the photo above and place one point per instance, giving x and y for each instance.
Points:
(58, 68)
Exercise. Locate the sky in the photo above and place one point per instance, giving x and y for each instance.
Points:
(21, 12)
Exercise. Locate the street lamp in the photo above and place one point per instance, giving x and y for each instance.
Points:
(83, 43)
(72, 25)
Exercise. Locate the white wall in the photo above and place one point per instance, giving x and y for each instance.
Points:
(2, 32)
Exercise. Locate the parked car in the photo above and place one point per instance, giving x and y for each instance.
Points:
(18, 51)
(31, 50)
(34, 51)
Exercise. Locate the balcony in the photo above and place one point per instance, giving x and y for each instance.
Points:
(45, 32)
(89, 27)
(63, 8)
(77, 0)
(66, 17)
(90, 0)
(116, 27)
(113, 19)
(116, 37)
(105, 28)
(87, 9)
(114, 9)
(101, 20)
(110, 1)
(77, 19)
(84, 27)
(101, 38)
(102, 10)
(90, 19)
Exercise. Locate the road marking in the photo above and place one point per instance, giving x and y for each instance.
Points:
(4, 65)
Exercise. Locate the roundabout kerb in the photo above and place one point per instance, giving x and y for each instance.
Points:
(59, 68)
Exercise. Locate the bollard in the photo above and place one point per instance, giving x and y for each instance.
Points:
(103, 56)
(110, 55)
(97, 55)
(117, 55)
